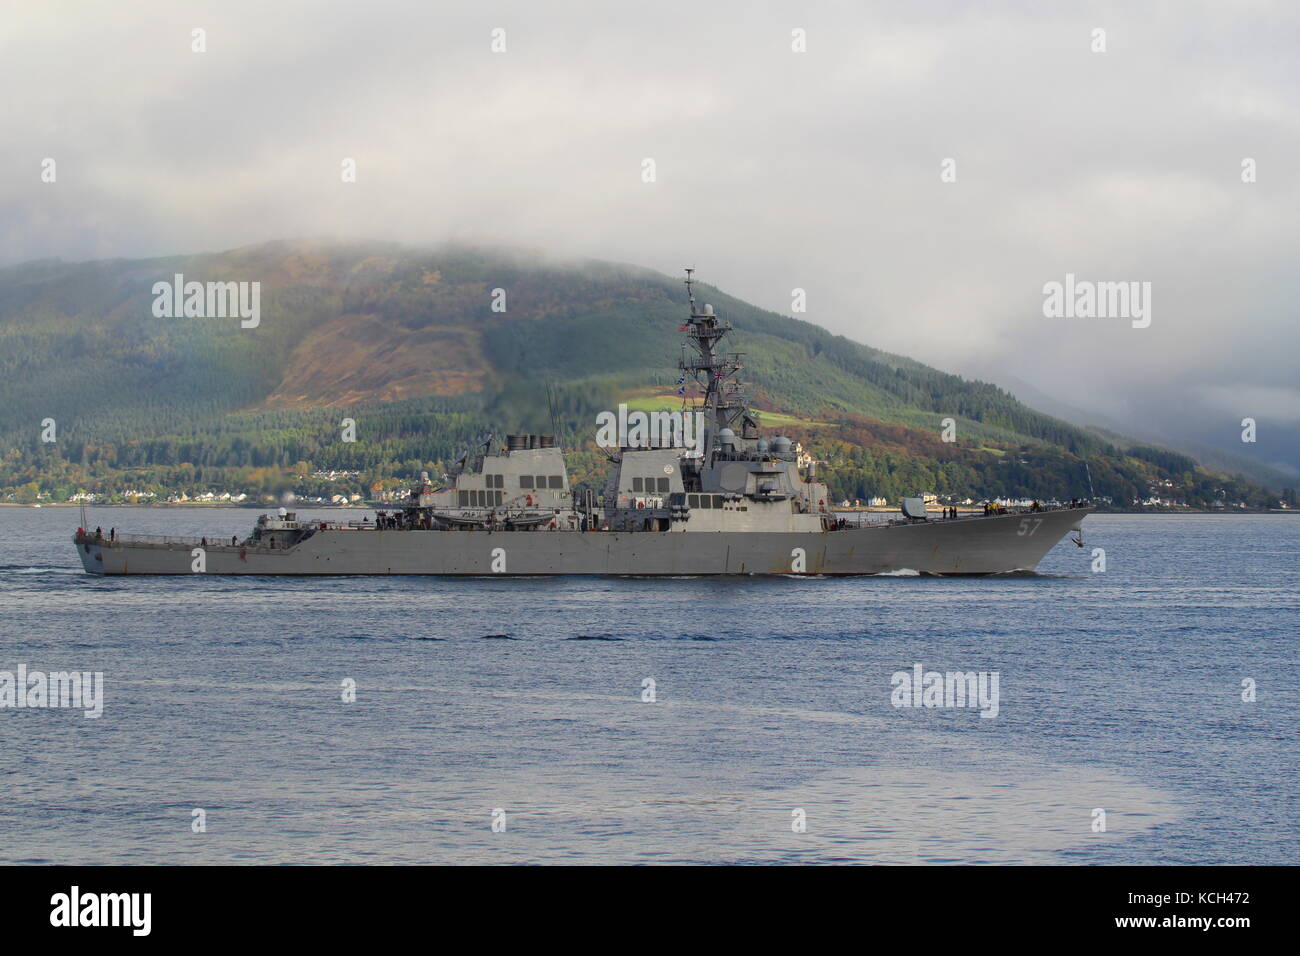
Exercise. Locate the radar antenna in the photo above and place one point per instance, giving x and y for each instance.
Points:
(725, 402)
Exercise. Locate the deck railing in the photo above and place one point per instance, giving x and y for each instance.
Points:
(160, 539)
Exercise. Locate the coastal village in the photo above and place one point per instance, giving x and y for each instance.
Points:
(338, 488)
(391, 493)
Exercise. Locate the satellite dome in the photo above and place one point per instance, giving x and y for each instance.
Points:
(761, 445)
(781, 445)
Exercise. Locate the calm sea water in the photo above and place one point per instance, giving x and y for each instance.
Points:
(1119, 691)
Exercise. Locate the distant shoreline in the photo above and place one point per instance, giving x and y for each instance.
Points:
(865, 510)
(187, 504)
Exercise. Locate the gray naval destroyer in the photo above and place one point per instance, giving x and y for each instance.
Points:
(722, 501)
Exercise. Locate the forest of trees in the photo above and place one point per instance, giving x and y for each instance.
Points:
(178, 405)
(275, 452)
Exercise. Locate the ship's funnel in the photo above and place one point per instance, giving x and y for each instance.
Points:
(545, 441)
(516, 442)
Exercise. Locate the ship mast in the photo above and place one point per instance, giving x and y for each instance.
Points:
(722, 396)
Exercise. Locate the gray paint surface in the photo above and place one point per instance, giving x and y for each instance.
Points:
(735, 503)
(976, 545)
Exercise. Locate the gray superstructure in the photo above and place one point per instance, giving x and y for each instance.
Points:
(717, 499)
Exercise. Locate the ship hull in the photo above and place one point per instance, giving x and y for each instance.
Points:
(977, 545)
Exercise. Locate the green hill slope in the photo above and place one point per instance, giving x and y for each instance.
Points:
(406, 342)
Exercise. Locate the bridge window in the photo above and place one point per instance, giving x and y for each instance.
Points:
(638, 484)
(717, 501)
(556, 481)
(693, 501)
(663, 486)
(464, 499)
(525, 481)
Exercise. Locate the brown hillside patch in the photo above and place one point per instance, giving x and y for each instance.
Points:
(360, 358)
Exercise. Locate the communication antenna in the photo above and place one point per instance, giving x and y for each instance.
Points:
(462, 460)
(553, 401)
(1087, 471)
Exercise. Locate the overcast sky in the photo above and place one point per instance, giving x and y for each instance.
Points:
(775, 169)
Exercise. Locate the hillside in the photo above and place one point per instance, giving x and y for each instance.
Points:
(406, 342)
